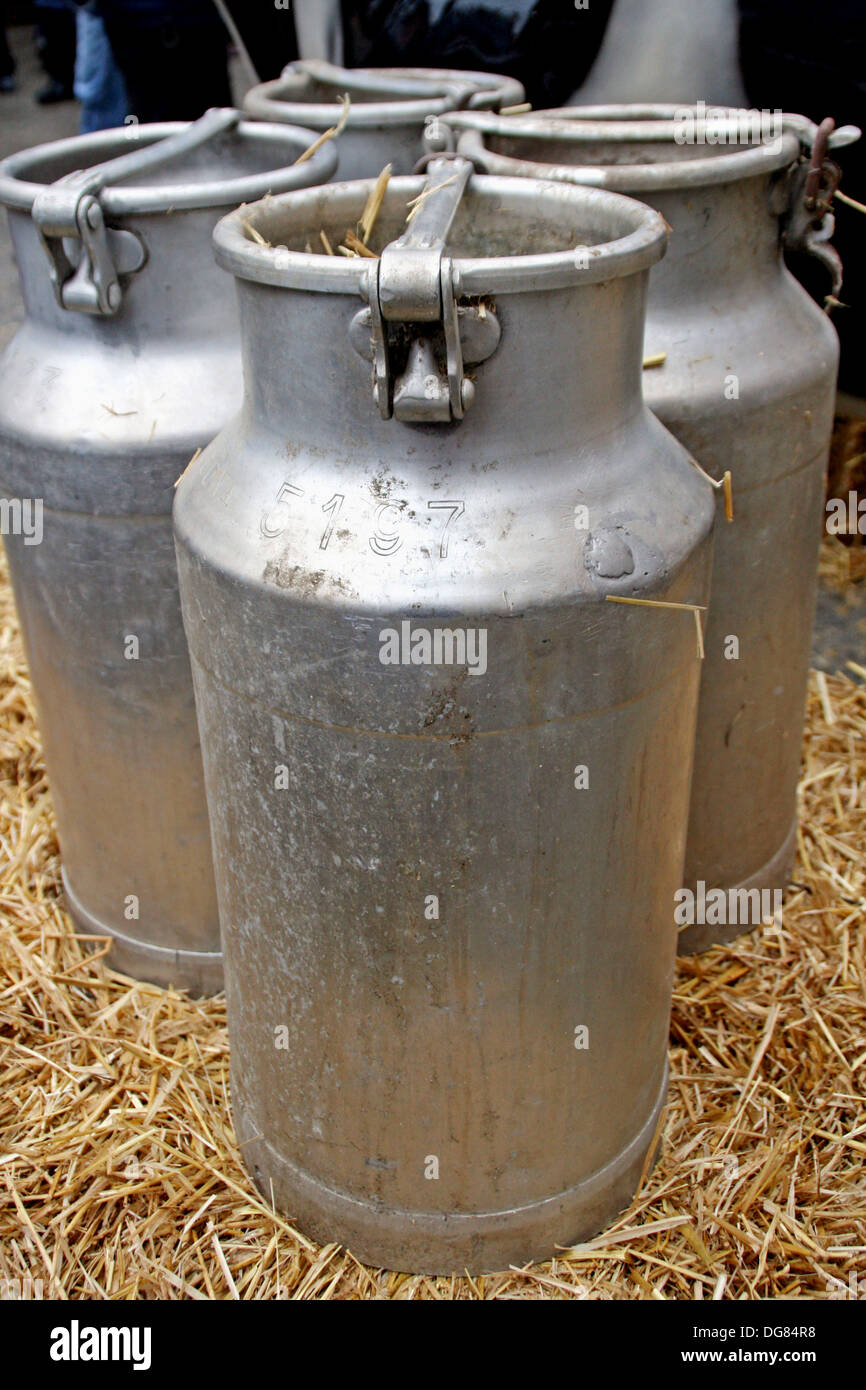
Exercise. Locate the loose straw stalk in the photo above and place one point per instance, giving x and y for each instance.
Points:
(329, 134)
(356, 245)
(658, 359)
(179, 480)
(373, 204)
(254, 233)
(724, 485)
(849, 202)
(695, 608)
(416, 204)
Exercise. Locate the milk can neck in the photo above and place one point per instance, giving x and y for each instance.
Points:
(566, 368)
(168, 282)
(725, 242)
(507, 312)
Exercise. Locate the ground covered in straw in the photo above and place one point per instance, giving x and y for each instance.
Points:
(119, 1172)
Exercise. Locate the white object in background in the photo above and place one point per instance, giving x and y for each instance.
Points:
(319, 29)
(667, 50)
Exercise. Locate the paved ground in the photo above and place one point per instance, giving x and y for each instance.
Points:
(840, 631)
(24, 123)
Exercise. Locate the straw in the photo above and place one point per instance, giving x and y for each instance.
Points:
(356, 245)
(120, 1173)
(416, 204)
(849, 202)
(188, 467)
(374, 204)
(330, 134)
(696, 608)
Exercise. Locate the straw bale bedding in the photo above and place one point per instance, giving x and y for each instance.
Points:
(119, 1172)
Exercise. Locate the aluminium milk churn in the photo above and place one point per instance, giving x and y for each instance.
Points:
(389, 110)
(447, 779)
(746, 381)
(128, 360)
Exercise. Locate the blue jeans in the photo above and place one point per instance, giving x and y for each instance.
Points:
(99, 85)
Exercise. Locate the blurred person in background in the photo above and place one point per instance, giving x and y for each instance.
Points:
(99, 84)
(548, 45)
(270, 33)
(55, 43)
(7, 62)
(173, 55)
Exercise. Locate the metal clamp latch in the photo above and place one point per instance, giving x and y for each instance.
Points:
(89, 282)
(85, 274)
(808, 219)
(418, 375)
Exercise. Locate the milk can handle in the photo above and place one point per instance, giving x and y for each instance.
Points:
(70, 209)
(807, 221)
(413, 283)
(374, 83)
(382, 89)
(217, 121)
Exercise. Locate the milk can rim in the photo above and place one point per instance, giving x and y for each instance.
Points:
(740, 163)
(639, 248)
(119, 201)
(264, 101)
(627, 114)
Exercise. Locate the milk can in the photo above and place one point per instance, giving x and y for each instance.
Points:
(742, 368)
(447, 778)
(388, 107)
(128, 361)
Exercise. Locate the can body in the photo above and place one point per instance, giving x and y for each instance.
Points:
(747, 384)
(448, 954)
(98, 418)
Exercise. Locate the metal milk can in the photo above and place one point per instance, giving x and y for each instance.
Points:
(745, 376)
(389, 112)
(447, 778)
(128, 361)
